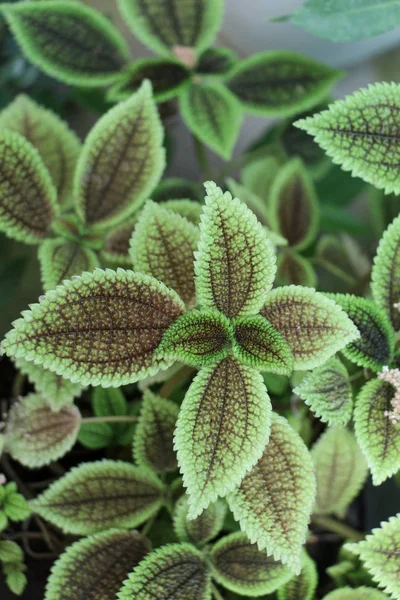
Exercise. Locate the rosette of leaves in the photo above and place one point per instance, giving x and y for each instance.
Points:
(112, 328)
(77, 45)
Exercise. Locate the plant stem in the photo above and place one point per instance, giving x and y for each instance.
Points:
(149, 524)
(172, 383)
(201, 156)
(338, 527)
(113, 419)
(216, 593)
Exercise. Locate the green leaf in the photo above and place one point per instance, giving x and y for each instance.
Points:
(10, 552)
(191, 24)
(294, 269)
(386, 273)
(327, 391)
(242, 568)
(378, 437)
(189, 209)
(58, 146)
(15, 507)
(121, 162)
(359, 133)
(176, 188)
(177, 571)
(254, 202)
(37, 436)
(303, 586)
(222, 430)
(112, 402)
(216, 61)
(116, 244)
(257, 344)
(96, 435)
(213, 115)
(16, 582)
(274, 501)
(293, 205)
(360, 593)
(340, 470)
(68, 41)
(98, 565)
(380, 553)
(61, 259)
(235, 263)
(27, 195)
(259, 174)
(153, 445)
(314, 326)
(163, 245)
(280, 83)
(375, 347)
(100, 328)
(204, 528)
(99, 495)
(198, 338)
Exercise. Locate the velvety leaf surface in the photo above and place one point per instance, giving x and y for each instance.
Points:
(36, 435)
(340, 469)
(103, 327)
(274, 501)
(314, 326)
(153, 444)
(163, 245)
(294, 269)
(241, 567)
(204, 528)
(378, 437)
(61, 259)
(303, 586)
(99, 495)
(254, 202)
(68, 40)
(27, 195)
(173, 572)
(235, 264)
(121, 162)
(213, 115)
(327, 391)
(117, 243)
(360, 593)
(216, 61)
(360, 133)
(96, 566)
(280, 83)
(222, 430)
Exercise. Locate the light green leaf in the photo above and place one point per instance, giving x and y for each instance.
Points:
(177, 571)
(10, 551)
(14, 505)
(68, 40)
(163, 245)
(340, 470)
(274, 501)
(303, 586)
(16, 581)
(96, 435)
(28, 199)
(204, 528)
(280, 83)
(314, 326)
(121, 162)
(116, 245)
(222, 430)
(254, 202)
(235, 263)
(98, 565)
(327, 391)
(189, 209)
(216, 61)
(259, 174)
(242, 568)
(100, 328)
(61, 259)
(112, 402)
(99, 495)
(294, 269)
(213, 115)
(360, 593)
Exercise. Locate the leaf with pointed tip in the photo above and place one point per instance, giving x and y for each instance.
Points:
(189, 209)
(163, 245)
(222, 430)
(176, 188)
(121, 162)
(213, 115)
(216, 61)
(259, 174)
(360, 593)
(177, 571)
(153, 444)
(257, 344)
(57, 145)
(61, 259)
(380, 553)
(314, 326)
(204, 528)
(340, 470)
(274, 501)
(255, 204)
(101, 328)
(37, 436)
(280, 83)
(16, 580)
(28, 199)
(235, 263)
(191, 24)
(242, 568)
(386, 273)
(293, 205)
(378, 437)
(327, 391)
(98, 564)
(68, 40)
(116, 244)
(294, 269)
(198, 338)
(303, 586)
(99, 495)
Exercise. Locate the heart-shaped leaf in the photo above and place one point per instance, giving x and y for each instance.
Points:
(216, 61)
(204, 528)
(294, 269)
(61, 259)
(360, 593)
(303, 586)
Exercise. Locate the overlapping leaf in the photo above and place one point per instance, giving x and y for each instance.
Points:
(108, 402)
(360, 593)
(303, 586)
(96, 435)
(116, 245)
(176, 188)
(259, 174)
(61, 260)
(216, 61)
(254, 202)
(189, 209)
(294, 269)
(204, 528)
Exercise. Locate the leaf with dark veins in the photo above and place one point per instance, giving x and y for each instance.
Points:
(61, 259)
